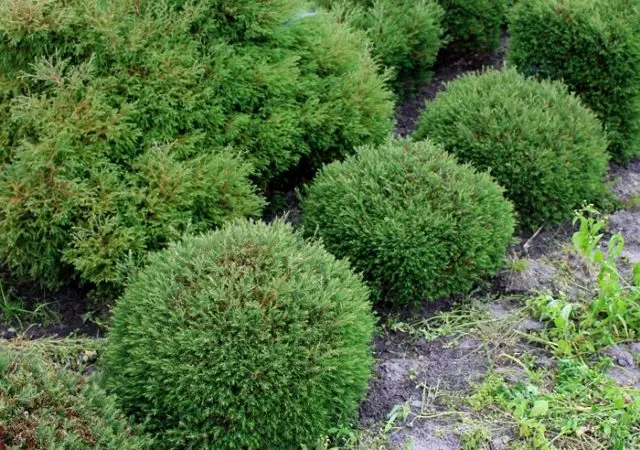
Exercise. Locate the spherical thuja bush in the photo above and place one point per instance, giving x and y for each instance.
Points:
(123, 127)
(593, 46)
(245, 338)
(538, 141)
(411, 219)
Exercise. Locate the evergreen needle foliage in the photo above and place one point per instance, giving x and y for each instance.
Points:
(43, 406)
(124, 125)
(473, 25)
(594, 47)
(245, 338)
(406, 35)
(411, 219)
(540, 143)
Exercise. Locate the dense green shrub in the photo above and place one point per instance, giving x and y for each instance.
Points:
(245, 338)
(136, 118)
(594, 47)
(473, 25)
(43, 406)
(412, 220)
(536, 139)
(406, 35)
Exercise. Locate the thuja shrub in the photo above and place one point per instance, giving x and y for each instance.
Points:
(247, 337)
(44, 406)
(538, 141)
(75, 207)
(473, 25)
(412, 220)
(125, 125)
(406, 35)
(594, 47)
(273, 78)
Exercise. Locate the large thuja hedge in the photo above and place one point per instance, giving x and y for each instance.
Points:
(126, 124)
(593, 46)
(247, 337)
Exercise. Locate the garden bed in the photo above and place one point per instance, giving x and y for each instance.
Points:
(470, 371)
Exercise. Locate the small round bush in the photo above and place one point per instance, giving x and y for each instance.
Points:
(593, 46)
(406, 35)
(44, 406)
(473, 25)
(538, 141)
(411, 219)
(124, 127)
(245, 338)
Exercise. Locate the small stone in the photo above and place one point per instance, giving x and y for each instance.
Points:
(88, 356)
(620, 356)
(8, 333)
(498, 443)
(635, 347)
(529, 325)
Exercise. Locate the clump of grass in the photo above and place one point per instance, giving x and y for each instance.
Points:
(14, 311)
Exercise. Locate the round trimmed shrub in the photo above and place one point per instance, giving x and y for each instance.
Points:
(411, 219)
(593, 46)
(473, 25)
(406, 35)
(538, 141)
(248, 337)
(45, 406)
(138, 124)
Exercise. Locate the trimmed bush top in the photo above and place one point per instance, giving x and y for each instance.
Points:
(538, 141)
(245, 338)
(411, 219)
(593, 46)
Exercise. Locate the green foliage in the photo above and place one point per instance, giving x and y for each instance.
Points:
(412, 220)
(580, 407)
(126, 124)
(613, 315)
(44, 406)
(245, 338)
(594, 47)
(538, 141)
(473, 25)
(406, 35)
